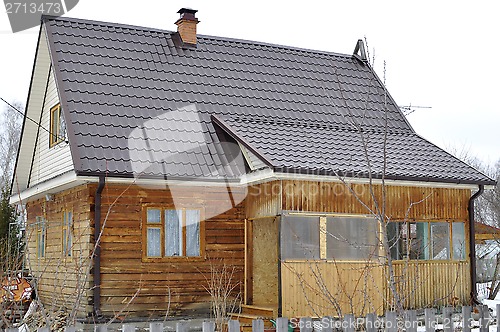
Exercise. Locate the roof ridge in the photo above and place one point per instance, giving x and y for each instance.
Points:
(202, 36)
(312, 123)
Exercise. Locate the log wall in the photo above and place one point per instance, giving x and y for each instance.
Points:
(62, 281)
(177, 284)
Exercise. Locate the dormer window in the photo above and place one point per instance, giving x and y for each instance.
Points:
(57, 126)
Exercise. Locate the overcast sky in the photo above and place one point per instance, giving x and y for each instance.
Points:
(439, 54)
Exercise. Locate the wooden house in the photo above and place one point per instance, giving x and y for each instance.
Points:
(150, 157)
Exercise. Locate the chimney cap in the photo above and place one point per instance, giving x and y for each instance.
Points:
(187, 10)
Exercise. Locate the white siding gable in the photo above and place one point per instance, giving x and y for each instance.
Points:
(49, 162)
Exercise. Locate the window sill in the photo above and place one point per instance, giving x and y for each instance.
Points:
(172, 259)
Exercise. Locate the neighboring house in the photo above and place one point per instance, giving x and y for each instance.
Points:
(176, 152)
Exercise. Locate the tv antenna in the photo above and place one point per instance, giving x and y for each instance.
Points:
(408, 109)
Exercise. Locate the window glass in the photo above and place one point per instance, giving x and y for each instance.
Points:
(300, 237)
(440, 248)
(351, 238)
(192, 232)
(458, 241)
(154, 242)
(173, 232)
(154, 216)
(414, 240)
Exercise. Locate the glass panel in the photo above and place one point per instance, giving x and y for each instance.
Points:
(393, 238)
(192, 232)
(440, 240)
(300, 237)
(351, 238)
(70, 219)
(62, 126)
(154, 242)
(458, 241)
(154, 216)
(173, 232)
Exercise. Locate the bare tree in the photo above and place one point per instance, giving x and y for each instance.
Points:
(10, 132)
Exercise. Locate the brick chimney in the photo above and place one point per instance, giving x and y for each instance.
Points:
(186, 25)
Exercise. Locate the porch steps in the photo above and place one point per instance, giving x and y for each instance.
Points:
(251, 312)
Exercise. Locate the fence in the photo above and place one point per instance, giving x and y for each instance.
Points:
(371, 323)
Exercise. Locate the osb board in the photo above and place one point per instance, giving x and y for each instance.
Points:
(402, 202)
(320, 288)
(265, 261)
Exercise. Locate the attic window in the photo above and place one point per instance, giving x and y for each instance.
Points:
(57, 126)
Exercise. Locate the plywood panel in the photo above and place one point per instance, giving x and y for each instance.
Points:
(265, 262)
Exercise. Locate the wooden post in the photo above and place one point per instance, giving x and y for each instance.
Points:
(391, 321)
(128, 328)
(206, 327)
(430, 320)
(349, 323)
(498, 317)
(371, 320)
(101, 328)
(326, 324)
(181, 326)
(257, 325)
(411, 322)
(305, 324)
(483, 318)
(448, 319)
(467, 318)
(233, 326)
(157, 327)
(282, 324)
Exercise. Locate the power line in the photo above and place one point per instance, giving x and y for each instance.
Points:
(27, 117)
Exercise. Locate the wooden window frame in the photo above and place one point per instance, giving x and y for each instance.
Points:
(55, 126)
(161, 225)
(450, 241)
(41, 232)
(68, 227)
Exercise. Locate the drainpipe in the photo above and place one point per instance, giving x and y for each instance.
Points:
(472, 242)
(97, 252)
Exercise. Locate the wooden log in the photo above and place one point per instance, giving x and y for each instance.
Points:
(430, 320)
